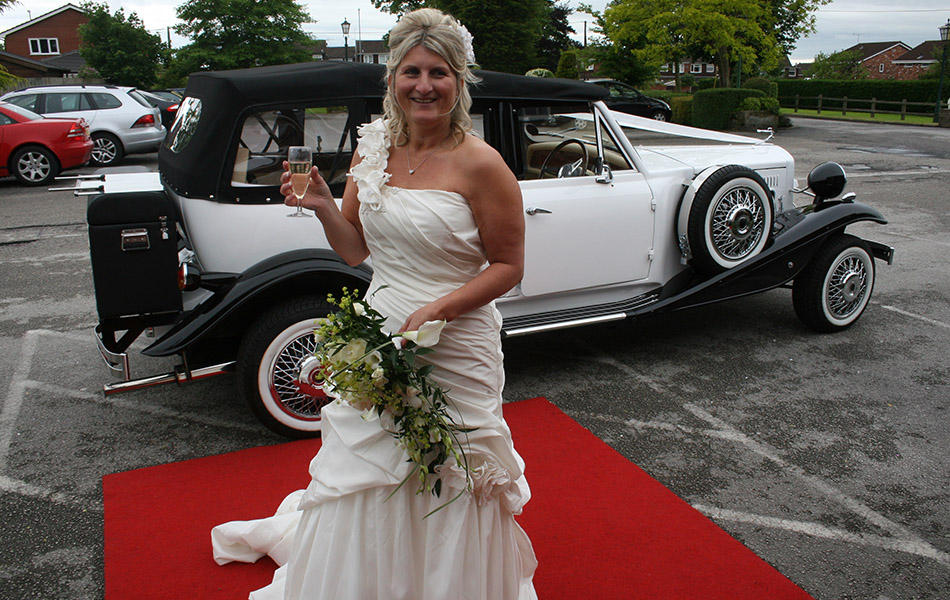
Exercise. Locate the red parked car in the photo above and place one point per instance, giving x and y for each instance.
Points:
(35, 149)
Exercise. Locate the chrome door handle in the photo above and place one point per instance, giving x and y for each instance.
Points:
(531, 210)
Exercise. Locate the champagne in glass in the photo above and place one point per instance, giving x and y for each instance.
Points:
(300, 159)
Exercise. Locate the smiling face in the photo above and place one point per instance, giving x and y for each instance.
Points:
(425, 87)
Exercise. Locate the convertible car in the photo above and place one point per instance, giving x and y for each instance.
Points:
(625, 217)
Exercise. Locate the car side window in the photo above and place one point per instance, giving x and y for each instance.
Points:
(562, 142)
(101, 100)
(5, 120)
(266, 136)
(27, 101)
(57, 102)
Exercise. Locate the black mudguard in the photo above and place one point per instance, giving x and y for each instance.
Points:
(293, 273)
(797, 236)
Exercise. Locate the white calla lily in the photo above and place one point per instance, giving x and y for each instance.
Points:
(427, 335)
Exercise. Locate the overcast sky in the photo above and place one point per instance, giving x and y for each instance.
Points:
(840, 24)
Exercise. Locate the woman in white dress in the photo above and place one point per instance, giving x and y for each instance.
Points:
(440, 214)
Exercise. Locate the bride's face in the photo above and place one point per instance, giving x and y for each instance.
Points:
(425, 86)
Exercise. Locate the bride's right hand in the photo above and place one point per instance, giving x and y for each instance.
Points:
(318, 194)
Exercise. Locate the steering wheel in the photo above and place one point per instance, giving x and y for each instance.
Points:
(568, 169)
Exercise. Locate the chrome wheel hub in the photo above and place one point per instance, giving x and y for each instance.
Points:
(847, 286)
(737, 224)
(298, 379)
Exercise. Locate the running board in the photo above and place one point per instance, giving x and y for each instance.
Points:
(563, 325)
(173, 377)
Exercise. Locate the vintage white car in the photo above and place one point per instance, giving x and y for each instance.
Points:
(625, 216)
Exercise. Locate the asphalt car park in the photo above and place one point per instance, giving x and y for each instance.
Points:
(825, 454)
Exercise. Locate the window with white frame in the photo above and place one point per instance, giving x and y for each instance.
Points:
(696, 68)
(710, 68)
(44, 45)
(881, 67)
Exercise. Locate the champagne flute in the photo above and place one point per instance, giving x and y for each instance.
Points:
(300, 159)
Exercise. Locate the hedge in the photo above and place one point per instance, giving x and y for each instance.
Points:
(682, 107)
(865, 89)
(712, 109)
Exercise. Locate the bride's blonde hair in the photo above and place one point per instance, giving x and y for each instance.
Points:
(438, 32)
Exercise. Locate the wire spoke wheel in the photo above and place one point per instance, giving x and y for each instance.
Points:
(737, 223)
(833, 290)
(296, 378)
(729, 218)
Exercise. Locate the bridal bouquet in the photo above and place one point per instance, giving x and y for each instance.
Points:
(373, 370)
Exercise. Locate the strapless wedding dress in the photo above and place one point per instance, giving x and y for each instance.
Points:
(344, 537)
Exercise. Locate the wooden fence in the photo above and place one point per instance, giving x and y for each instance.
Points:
(844, 105)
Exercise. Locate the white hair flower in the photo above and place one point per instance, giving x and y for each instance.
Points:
(467, 38)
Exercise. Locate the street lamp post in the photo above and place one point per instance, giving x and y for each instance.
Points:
(944, 35)
(346, 31)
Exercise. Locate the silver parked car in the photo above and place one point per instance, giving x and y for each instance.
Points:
(120, 120)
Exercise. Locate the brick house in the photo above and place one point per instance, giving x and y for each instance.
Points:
(367, 51)
(878, 58)
(698, 69)
(916, 62)
(45, 46)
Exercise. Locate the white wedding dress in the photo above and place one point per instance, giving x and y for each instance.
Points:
(341, 538)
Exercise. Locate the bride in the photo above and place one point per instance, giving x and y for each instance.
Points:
(440, 214)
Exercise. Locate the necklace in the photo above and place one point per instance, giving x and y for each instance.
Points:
(408, 158)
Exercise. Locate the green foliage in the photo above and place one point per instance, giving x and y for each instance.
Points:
(539, 73)
(7, 79)
(235, 34)
(707, 83)
(5, 4)
(567, 66)
(119, 48)
(762, 84)
(757, 103)
(506, 32)
(682, 107)
(713, 109)
(665, 31)
(884, 90)
(845, 64)
(555, 35)
(619, 61)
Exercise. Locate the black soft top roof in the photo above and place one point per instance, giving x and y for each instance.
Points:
(197, 168)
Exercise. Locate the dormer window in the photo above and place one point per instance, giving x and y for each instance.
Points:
(44, 46)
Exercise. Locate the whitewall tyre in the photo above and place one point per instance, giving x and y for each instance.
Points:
(833, 290)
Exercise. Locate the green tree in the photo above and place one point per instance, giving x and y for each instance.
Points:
(792, 19)
(505, 32)
(667, 31)
(621, 62)
(119, 47)
(567, 65)
(236, 34)
(556, 35)
(5, 4)
(845, 64)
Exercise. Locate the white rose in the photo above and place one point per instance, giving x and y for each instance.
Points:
(351, 352)
(359, 309)
(373, 359)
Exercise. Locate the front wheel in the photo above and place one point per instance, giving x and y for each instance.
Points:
(279, 377)
(833, 290)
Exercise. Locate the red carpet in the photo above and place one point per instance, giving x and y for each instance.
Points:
(601, 527)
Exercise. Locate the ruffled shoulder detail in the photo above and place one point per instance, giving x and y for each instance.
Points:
(370, 174)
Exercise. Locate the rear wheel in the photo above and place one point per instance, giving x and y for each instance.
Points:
(279, 377)
(34, 165)
(106, 149)
(658, 115)
(833, 290)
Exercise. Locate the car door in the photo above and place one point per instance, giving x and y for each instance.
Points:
(73, 105)
(583, 231)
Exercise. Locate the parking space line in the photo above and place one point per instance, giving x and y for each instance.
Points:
(14, 399)
(817, 530)
(915, 316)
(143, 408)
(904, 540)
(896, 173)
(22, 488)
